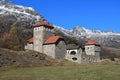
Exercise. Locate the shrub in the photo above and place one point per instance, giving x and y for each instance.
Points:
(112, 58)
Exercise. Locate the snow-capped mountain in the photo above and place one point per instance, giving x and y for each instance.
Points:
(20, 13)
(24, 17)
(66, 32)
(81, 31)
(109, 38)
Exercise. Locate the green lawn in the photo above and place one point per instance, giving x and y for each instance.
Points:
(83, 72)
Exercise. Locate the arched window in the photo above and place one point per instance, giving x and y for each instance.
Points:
(74, 58)
(73, 53)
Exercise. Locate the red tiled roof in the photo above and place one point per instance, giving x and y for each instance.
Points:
(30, 40)
(92, 42)
(44, 23)
(52, 39)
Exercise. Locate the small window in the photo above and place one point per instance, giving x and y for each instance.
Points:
(39, 28)
(36, 29)
(87, 47)
(83, 58)
(74, 58)
(73, 53)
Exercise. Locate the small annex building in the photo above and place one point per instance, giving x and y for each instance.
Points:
(73, 52)
(88, 53)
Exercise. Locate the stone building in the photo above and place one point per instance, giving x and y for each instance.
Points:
(73, 52)
(46, 42)
(85, 54)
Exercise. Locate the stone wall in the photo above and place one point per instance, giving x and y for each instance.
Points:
(74, 58)
(49, 50)
(60, 50)
(89, 58)
(29, 46)
(38, 39)
(92, 49)
(47, 33)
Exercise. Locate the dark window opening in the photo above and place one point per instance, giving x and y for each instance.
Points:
(73, 53)
(74, 58)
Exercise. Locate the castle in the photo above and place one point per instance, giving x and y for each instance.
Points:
(45, 41)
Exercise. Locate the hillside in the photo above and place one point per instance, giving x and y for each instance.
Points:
(18, 16)
(23, 18)
(25, 58)
(108, 52)
(33, 58)
(105, 38)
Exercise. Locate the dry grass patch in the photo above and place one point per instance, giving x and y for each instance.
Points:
(83, 72)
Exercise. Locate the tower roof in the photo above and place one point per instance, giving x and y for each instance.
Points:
(52, 39)
(44, 23)
(92, 42)
(30, 40)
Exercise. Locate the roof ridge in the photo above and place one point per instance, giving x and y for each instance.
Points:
(44, 23)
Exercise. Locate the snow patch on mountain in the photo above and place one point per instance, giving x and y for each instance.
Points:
(63, 30)
(81, 31)
(111, 39)
(24, 17)
(19, 11)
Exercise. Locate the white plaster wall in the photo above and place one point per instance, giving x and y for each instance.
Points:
(69, 51)
(90, 49)
(78, 56)
(29, 46)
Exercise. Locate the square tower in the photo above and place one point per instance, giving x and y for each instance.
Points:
(93, 48)
(42, 31)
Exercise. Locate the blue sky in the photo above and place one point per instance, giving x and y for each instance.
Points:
(92, 14)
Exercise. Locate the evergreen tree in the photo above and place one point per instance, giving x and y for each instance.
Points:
(4, 41)
(72, 41)
(14, 39)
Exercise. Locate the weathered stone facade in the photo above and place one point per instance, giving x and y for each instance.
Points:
(60, 49)
(78, 54)
(40, 35)
(57, 50)
(29, 46)
(49, 50)
(46, 42)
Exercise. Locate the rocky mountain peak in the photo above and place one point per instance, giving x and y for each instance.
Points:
(21, 13)
(81, 31)
(24, 17)
(106, 38)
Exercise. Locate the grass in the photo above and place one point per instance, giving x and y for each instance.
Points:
(83, 72)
